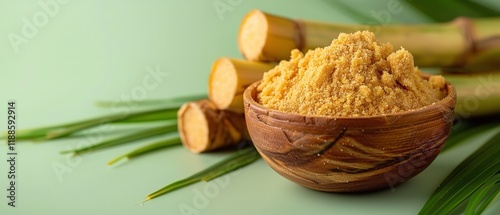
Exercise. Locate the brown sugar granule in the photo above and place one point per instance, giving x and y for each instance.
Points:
(354, 76)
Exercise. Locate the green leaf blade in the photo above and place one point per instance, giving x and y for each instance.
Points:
(475, 130)
(180, 99)
(466, 178)
(247, 158)
(66, 129)
(125, 139)
(220, 168)
(483, 196)
(167, 142)
(108, 119)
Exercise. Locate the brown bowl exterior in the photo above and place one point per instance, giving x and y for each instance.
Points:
(349, 154)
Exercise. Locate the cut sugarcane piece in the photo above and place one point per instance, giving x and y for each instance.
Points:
(203, 127)
(464, 44)
(229, 78)
(265, 37)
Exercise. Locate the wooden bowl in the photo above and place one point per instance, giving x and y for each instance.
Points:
(349, 154)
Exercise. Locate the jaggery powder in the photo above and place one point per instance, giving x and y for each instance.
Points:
(355, 76)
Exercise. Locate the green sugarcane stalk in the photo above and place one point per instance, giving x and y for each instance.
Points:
(466, 44)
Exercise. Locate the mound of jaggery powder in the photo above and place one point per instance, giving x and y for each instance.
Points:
(355, 76)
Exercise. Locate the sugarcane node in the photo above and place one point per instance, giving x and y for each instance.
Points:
(487, 43)
(202, 127)
(467, 28)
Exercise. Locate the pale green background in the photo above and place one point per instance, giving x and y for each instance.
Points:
(100, 50)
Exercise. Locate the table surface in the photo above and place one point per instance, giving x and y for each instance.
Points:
(57, 58)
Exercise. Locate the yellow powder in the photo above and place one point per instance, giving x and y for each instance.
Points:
(354, 76)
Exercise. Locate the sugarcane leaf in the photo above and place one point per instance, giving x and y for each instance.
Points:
(470, 130)
(66, 131)
(173, 186)
(483, 196)
(229, 164)
(32, 133)
(485, 149)
(41, 132)
(242, 161)
(466, 178)
(180, 99)
(158, 116)
(164, 143)
(482, 10)
(447, 10)
(459, 195)
(467, 181)
(124, 139)
(167, 111)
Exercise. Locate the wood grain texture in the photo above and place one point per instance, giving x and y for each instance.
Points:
(349, 154)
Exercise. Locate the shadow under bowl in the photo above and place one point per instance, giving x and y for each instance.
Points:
(349, 154)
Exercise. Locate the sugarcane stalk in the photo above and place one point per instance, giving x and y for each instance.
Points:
(464, 44)
(478, 94)
(229, 78)
(202, 127)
